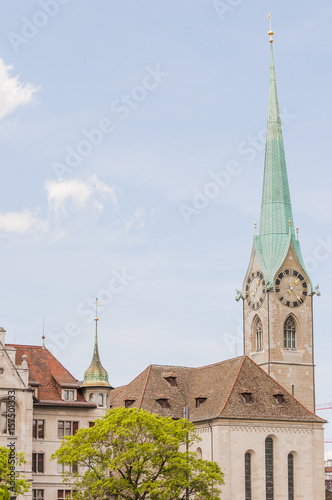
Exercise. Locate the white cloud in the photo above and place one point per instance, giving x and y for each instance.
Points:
(13, 93)
(21, 222)
(78, 193)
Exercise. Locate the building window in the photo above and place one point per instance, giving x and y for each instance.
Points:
(38, 463)
(171, 380)
(290, 477)
(247, 396)
(163, 402)
(290, 334)
(247, 476)
(4, 418)
(92, 397)
(69, 395)
(38, 429)
(91, 424)
(100, 399)
(200, 401)
(62, 494)
(280, 398)
(269, 468)
(259, 335)
(62, 468)
(129, 402)
(66, 428)
(37, 494)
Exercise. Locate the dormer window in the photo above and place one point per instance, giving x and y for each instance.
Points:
(163, 401)
(129, 402)
(69, 394)
(200, 400)
(280, 398)
(171, 379)
(247, 396)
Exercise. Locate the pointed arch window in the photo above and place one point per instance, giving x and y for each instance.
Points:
(269, 468)
(290, 334)
(4, 417)
(100, 399)
(259, 335)
(290, 476)
(247, 475)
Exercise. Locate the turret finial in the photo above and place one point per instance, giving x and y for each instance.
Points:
(43, 337)
(297, 234)
(270, 32)
(255, 228)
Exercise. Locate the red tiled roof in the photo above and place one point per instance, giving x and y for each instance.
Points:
(49, 373)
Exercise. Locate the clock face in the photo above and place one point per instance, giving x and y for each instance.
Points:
(291, 288)
(255, 289)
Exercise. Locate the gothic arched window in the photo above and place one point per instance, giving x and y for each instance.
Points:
(290, 476)
(100, 399)
(247, 475)
(259, 334)
(290, 334)
(269, 468)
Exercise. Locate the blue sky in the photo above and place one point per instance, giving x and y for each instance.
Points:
(117, 115)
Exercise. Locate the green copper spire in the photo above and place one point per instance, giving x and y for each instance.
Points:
(276, 231)
(96, 375)
(276, 209)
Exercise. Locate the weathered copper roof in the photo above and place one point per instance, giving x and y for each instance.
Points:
(96, 375)
(276, 231)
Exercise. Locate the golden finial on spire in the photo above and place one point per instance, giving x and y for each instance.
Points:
(97, 304)
(43, 337)
(297, 234)
(290, 223)
(255, 228)
(270, 32)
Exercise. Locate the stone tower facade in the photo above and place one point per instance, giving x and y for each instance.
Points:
(277, 291)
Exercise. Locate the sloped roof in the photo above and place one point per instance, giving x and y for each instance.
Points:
(221, 385)
(50, 375)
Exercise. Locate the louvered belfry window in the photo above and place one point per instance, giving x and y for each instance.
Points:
(269, 468)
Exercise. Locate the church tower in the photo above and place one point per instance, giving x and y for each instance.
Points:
(277, 291)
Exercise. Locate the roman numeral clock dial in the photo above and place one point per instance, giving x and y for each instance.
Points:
(291, 288)
(255, 290)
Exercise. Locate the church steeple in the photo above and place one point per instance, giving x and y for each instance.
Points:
(277, 293)
(96, 375)
(276, 231)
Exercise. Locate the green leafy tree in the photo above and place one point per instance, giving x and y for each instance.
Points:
(10, 483)
(135, 455)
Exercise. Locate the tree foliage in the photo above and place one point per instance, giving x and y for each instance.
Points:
(135, 455)
(10, 483)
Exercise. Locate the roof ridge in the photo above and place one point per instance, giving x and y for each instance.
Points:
(236, 377)
(289, 394)
(218, 363)
(146, 383)
(122, 388)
